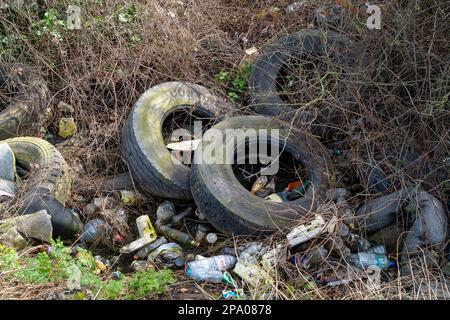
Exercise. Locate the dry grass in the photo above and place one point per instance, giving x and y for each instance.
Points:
(398, 102)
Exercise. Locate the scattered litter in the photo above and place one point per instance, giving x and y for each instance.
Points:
(251, 252)
(304, 233)
(65, 108)
(116, 275)
(94, 230)
(253, 274)
(165, 212)
(128, 197)
(311, 258)
(251, 51)
(145, 251)
(237, 294)
(67, 127)
(146, 232)
(210, 269)
(429, 227)
(259, 184)
(295, 6)
(140, 265)
(379, 249)
(211, 238)
(190, 145)
(202, 232)
(169, 254)
(364, 260)
(177, 219)
(176, 235)
(274, 197)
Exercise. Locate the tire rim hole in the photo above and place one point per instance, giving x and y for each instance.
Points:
(290, 169)
(180, 125)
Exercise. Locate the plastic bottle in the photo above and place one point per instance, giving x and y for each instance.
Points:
(221, 263)
(379, 249)
(311, 258)
(170, 253)
(364, 260)
(252, 252)
(202, 232)
(210, 269)
(145, 251)
(94, 229)
(165, 212)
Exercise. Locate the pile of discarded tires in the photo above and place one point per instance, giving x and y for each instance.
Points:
(227, 204)
(49, 182)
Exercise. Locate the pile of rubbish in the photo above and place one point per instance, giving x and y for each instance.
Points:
(329, 235)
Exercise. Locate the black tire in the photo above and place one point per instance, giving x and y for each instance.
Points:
(25, 115)
(150, 163)
(263, 79)
(232, 209)
(49, 187)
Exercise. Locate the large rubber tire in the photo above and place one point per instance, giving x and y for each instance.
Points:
(265, 73)
(49, 186)
(150, 162)
(25, 115)
(232, 209)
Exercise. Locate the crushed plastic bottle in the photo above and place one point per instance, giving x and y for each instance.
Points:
(168, 254)
(165, 212)
(210, 269)
(145, 251)
(379, 249)
(94, 230)
(365, 260)
(140, 265)
(252, 252)
(311, 258)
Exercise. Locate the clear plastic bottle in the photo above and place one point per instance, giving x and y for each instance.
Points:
(210, 269)
(378, 249)
(364, 260)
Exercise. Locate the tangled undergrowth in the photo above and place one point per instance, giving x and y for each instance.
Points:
(391, 117)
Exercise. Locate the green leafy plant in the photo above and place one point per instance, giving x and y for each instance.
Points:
(126, 13)
(51, 25)
(144, 282)
(58, 264)
(235, 80)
